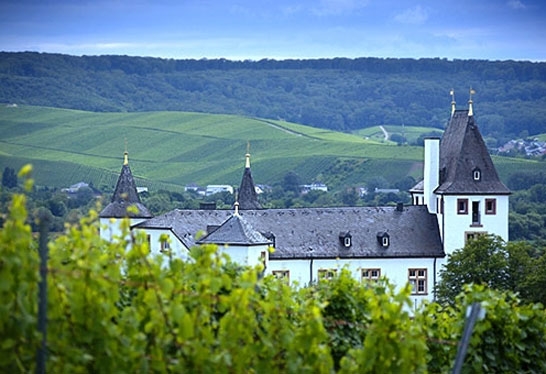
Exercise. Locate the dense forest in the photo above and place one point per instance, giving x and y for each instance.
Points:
(340, 94)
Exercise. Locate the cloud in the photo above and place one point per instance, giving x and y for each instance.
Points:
(516, 4)
(337, 7)
(413, 16)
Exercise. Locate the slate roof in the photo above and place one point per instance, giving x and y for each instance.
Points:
(125, 195)
(419, 187)
(462, 150)
(315, 232)
(235, 231)
(248, 198)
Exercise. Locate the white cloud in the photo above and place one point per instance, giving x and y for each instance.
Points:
(337, 7)
(413, 16)
(516, 4)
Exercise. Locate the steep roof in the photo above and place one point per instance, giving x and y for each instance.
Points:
(235, 231)
(125, 195)
(317, 232)
(463, 151)
(248, 198)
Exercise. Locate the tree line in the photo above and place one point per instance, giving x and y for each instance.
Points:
(527, 219)
(340, 93)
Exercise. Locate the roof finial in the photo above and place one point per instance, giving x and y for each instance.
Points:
(247, 163)
(452, 93)
(125, 154)
(236, 205)
(470, 110)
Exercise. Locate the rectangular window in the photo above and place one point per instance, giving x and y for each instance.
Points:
(149, 241)
(470, 235)
(282, 274)
(263, 258)
(165, 246)
(475, 213)
(418, 280)
(462, 206)
(370, 274)
(490, 206)
(325, 274)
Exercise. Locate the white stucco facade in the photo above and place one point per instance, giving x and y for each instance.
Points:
(464, 216)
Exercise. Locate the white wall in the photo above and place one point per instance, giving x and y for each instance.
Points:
(304, 271)
(110, 228)
(176, 248)
(454, 226)
(247, 255)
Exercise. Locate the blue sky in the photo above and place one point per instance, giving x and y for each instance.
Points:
(279, 29)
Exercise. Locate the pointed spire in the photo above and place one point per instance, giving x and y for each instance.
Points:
(247, 196)
(125, 194)
(452, 93)
(470, 102)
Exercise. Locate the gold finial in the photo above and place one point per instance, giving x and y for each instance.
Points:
(452, 93)
(470, 102)
(247, 156)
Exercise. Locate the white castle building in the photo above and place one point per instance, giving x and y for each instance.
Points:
(460, 197)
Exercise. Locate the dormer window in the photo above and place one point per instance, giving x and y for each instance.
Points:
(346, 239)
(383, 239)
(476, 174)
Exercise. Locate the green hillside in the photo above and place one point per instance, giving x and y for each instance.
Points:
(172, 149)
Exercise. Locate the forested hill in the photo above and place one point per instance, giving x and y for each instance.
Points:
(340, 93)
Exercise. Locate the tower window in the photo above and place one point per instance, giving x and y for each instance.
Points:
(490, 206)
(476, 174)
(462, 206)
(475, 213)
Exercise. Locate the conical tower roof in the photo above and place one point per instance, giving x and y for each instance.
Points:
(465, 164)
(248, 198)
(125, 195)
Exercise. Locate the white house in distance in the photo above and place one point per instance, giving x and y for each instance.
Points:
(460, 197)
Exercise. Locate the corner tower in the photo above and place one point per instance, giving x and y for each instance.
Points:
(471, 198)
(125, 196)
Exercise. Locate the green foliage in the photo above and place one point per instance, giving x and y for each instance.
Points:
(509, 339)
(486, 260)
(114, 308)
(19, 278)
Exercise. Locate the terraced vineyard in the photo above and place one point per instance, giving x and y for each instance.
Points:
(172, 149)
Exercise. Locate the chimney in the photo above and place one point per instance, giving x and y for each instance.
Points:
(431, 173)
(207, 205)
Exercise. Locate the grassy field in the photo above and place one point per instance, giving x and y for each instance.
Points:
(171, 149)
(411, 133)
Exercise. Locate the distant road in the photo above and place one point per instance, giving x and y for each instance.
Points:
(384, 132)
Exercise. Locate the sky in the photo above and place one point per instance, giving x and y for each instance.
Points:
(278, 29)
